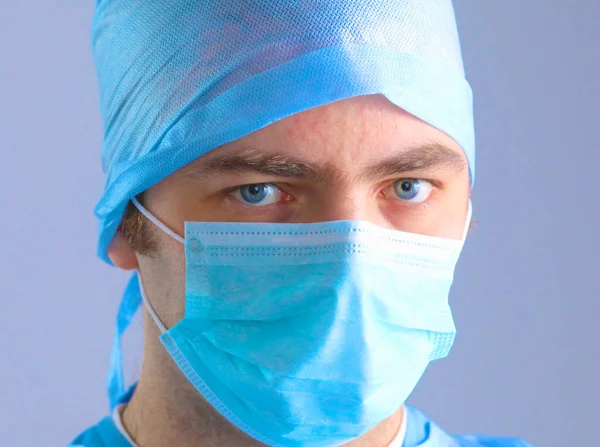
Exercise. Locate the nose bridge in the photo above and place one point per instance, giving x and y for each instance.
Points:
(348, 201)
(343, 205)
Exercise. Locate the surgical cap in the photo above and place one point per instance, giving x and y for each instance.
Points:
(179, 78)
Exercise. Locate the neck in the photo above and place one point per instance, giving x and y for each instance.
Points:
(167, 410)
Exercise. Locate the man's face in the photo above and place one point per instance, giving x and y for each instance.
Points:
(358, 159)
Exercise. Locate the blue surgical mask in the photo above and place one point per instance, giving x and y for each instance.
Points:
(310, 334)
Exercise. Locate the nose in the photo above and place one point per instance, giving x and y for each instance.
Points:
(357, 204)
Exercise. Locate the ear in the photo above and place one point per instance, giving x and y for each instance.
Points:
(121, 254)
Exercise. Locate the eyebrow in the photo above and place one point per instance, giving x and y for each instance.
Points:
(429, 156)
(252, 160)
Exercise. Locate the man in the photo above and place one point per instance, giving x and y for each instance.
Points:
(290, 183)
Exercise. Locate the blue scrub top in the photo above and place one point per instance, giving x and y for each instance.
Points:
(420, 432)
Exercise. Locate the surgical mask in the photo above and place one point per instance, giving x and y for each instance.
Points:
(309, 334)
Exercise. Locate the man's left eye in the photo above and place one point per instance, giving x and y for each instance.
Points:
(412, 190)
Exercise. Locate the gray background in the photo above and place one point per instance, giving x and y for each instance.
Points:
(526, 361)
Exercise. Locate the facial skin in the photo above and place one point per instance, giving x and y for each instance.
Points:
(343, 142)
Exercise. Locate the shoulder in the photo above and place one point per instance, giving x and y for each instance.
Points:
(103, 434)
(423, 432)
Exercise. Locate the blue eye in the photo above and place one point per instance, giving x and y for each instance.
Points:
(412, 190)
(258, 194)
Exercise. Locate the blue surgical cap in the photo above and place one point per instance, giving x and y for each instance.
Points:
(179, 78)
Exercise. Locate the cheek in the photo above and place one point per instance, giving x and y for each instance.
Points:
(163, 277)
(445, 217)
(451, 224)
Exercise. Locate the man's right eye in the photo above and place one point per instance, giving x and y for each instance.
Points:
(258, 194)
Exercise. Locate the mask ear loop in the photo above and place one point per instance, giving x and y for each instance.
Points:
(149, 307)
(156, 222)
(175, 236)
(468, 222)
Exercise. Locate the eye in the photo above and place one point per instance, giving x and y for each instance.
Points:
(258, 194)
(412, 190)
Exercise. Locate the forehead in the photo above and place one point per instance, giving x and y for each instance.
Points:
(358, 116)
(354, 130)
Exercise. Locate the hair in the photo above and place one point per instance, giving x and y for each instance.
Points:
(136, 228)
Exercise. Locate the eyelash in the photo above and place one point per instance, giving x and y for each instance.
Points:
(249, 209)
(416, 206)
